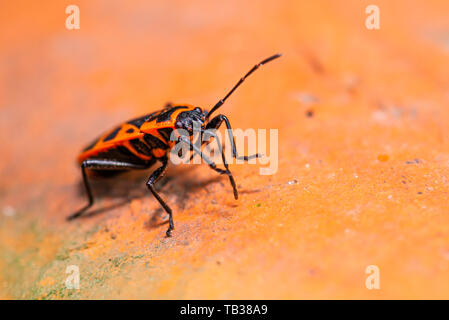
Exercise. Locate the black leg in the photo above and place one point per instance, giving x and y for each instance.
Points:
(216, 122)
(225, 163)
(99, 165)
(158, 173)
(211, 164)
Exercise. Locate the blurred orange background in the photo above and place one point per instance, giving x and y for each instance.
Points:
(363, 149)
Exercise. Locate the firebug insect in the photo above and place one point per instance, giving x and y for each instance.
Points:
(139, 143)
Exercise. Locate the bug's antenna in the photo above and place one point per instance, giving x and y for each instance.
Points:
(220, 103)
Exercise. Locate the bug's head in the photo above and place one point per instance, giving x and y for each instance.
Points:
(191, 120)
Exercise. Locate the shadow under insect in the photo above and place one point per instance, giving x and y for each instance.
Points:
(177, 187)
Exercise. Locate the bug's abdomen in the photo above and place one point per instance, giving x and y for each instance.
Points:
(128, 143)
(142, 151)
(120, 153)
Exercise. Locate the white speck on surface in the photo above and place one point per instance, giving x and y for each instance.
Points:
(9, 211)
(306, 98)
(379, 116)
(445, 254)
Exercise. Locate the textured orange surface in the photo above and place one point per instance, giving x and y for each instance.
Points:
(363, 143)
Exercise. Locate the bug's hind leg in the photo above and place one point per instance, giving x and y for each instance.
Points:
(99, 164)
(88, 192)
(155, 176)
(216, 122)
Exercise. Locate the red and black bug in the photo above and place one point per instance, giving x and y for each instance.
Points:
(139, 143)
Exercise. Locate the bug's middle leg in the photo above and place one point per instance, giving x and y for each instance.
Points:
(216, 122)
(155, 176)
(99, 164)
(212, 164)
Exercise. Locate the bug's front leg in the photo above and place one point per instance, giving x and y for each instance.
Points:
(158, 173)
(216, 122)
(212, 164)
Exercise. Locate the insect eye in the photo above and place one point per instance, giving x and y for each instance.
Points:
(197, 110)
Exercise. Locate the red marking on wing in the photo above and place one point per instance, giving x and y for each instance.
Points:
(120, 138)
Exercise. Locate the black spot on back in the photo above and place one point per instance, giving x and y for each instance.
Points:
(165, 133)
(130, 130)
(141, 147)
(112, 135)
(165, 116)
(141, 120)
(138, 121)
(154, 142)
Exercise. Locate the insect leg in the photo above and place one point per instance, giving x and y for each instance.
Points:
(158, 173)
(99, 164)
(211, 164)
(216, 122)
